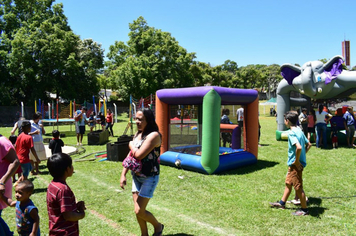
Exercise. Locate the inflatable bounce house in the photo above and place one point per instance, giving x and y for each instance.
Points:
(193, 144)
(314, 80)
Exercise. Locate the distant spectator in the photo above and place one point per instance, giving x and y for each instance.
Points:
(322, 117)
(109, 122)
(226, 137)
(37, 130)
(303, 121)
(17, 125)
(56, 143)
(81, 119)
(349, 123)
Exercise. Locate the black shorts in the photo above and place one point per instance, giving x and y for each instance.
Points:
(81, 129)
(311, 130)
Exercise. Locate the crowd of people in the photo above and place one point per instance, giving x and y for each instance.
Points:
(315, 123)
(81, 119)
(64, 211)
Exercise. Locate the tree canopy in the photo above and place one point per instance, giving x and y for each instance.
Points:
(39, 53)
(151, 60)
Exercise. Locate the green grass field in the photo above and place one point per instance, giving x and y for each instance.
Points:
(231, 203)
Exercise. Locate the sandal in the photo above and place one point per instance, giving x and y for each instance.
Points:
(159, 233)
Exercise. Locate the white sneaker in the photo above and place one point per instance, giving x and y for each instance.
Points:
(297, 201)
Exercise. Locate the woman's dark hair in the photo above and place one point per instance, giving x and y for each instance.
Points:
(36, 115)
(151, 122)
(58, 163)
(321, 107)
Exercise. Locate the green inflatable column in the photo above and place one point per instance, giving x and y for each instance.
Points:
(211, 130)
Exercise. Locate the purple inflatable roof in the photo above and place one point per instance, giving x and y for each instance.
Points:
(195, 95)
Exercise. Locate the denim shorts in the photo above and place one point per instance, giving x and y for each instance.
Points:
(145, 186)
(26, 168)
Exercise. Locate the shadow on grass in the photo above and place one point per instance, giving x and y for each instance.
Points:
(314, 201)
(264, 144)
(260, 165)
(39, 190)
(316, 211)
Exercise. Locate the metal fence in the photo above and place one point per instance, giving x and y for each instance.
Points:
(9, 115)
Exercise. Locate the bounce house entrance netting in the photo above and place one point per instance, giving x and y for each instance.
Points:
(185, 130)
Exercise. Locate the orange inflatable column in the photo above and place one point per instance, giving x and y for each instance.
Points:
(162, 120)
(251, 128)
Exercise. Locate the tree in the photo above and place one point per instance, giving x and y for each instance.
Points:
(39, 53)
(151, 60)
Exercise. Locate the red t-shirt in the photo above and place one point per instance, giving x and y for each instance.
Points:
(109, 118)
(60, 198)
(24, 143)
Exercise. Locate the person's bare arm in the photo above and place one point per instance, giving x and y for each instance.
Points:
(14, 128)
(298, 151)
(308, 146)
(11, 157)
(329, 116)
(123, 177)
(73, 216)
(152, 140)
(36, 221)
(35, 154)
(8, 201)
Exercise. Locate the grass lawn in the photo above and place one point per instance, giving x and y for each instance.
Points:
(231, 203)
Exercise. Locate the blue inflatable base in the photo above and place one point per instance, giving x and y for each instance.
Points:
(234, 159)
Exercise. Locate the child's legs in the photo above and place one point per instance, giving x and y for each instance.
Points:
(287, 191)
(36, 166)
(26, 168)
(302, 197)
(294, 178)
(77, 131)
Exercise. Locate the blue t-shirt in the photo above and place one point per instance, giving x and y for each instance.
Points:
(348, 118)
(225, 120)
(296, 136)
(81, 122)
(24, 221)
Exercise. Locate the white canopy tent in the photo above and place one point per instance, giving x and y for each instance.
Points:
(271, 102)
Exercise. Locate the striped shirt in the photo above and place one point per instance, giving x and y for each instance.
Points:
(60, 198)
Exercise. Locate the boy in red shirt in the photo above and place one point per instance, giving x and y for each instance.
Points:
(24, 144)
(63, 210)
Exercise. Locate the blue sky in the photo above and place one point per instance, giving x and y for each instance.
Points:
(247, 32)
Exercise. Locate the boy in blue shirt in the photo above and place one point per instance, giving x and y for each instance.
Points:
(298, 146)
(27, 219)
